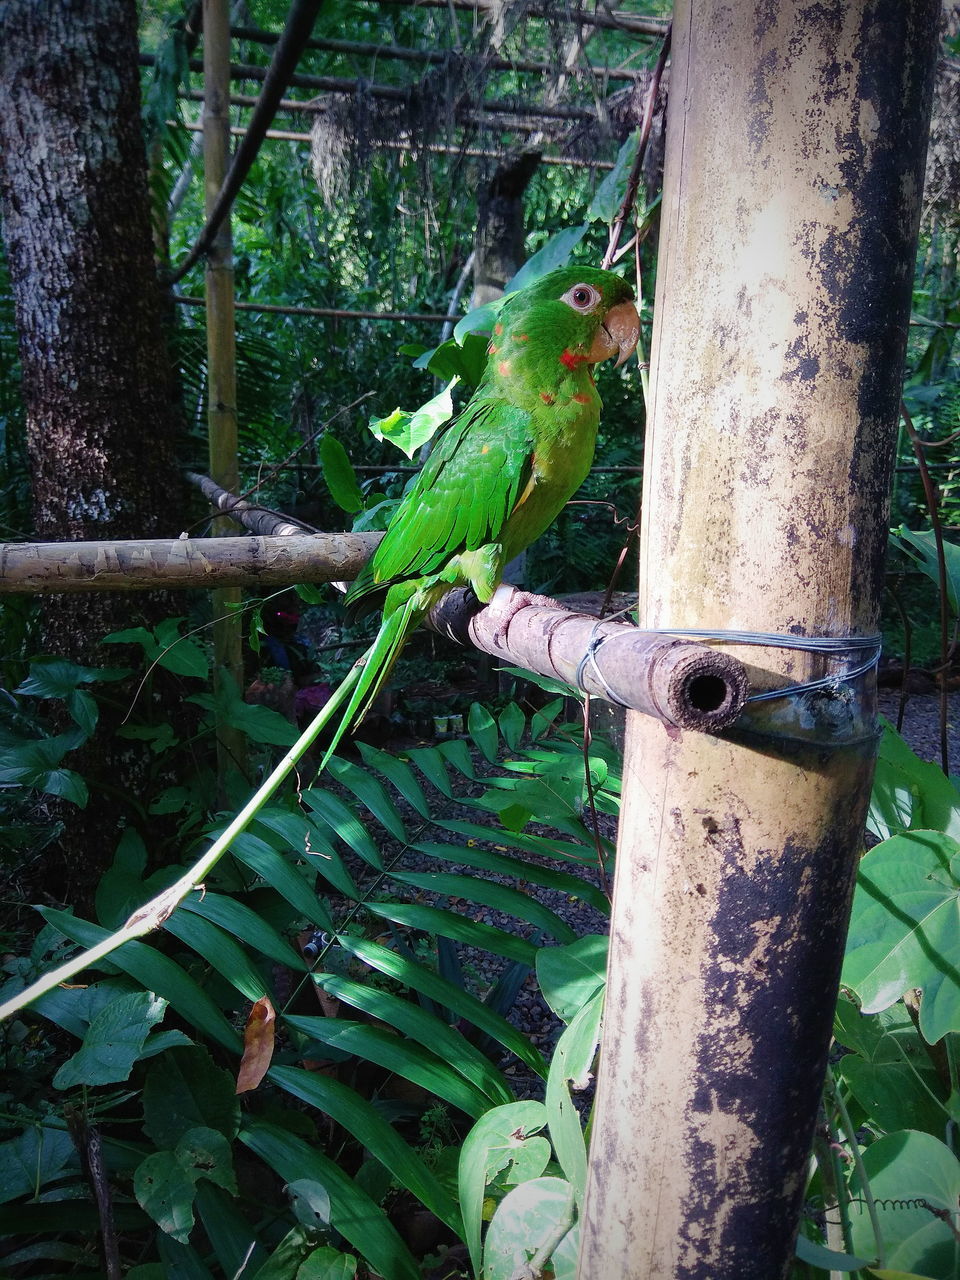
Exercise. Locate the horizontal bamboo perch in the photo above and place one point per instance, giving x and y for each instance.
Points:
(687, 685)
(42, 568)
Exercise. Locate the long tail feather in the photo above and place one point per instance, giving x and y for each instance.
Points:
(364, 682)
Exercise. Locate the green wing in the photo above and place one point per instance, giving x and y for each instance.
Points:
(460, 501)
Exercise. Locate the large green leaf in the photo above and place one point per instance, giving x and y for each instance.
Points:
(165, 1183)
(225, 957)
(448, 996)
(397, 772)
(411, 431)
(915, 1183)
(155, 972)
(352, 1212)
(345, 824)
(278, 872)
(403, 1057)
(371, 793)
(237, 918)
(485, 859)
(424, 1027)
(113, 1042)
(504, 1139)
(449, 924)
(366, 1124)
(571, 975)
(909, 792)
(498, 896)
(526, 1220)
(339, 475)
(37, 1156)
(921, 547)
(904, 927)
(185, 1090)
(572, 1068)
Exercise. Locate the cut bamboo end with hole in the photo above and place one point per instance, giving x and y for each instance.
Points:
(682, 684)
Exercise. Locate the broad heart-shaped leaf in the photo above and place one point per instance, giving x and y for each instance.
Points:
(918, 1178)
(165, 1182)
(36, 1157)
(113, 1042)
(909, 792)
(184, 1090)
(526, 1220)
(339, 475)
(57, 678)
(889, 1070)
(921, 547)
(352, 1213)
(904, 927)
(571, 975)
(156, 972)
(503, 1138)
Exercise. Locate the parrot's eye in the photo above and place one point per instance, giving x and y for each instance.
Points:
(582, 297)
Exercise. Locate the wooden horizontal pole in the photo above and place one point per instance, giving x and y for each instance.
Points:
(436, 57)
(45, 568)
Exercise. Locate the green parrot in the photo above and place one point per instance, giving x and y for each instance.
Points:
(501, 471)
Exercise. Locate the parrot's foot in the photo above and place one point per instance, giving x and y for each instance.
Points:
(506, 604)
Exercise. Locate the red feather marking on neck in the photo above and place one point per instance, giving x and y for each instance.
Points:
(570, 359)
(546, 397)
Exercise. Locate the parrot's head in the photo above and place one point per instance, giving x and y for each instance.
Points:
(571, 317)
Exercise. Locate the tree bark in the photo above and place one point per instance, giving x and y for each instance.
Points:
(102, 405)
(101, 400)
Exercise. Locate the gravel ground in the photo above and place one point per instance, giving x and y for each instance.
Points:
(921, 724)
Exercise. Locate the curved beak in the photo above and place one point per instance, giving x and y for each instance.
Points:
(619, 332)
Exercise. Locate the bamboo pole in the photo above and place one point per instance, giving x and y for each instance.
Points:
(794, 174)
(221, 355)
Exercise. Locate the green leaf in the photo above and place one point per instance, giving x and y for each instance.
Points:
(918, 1178)
(339, 475)
(309, 1200)
(113, 1042)
(238, 919)
(352, 1212)
(431, 764)
(183, 1091)
(555, 253)
(921, 547)
(449, 924)
(38, 1156)
(571, 1066)
(542, 720)
(371, 794)
(512, 723)
(498, 896)
(345, 824)
(425, 1028)
(58, 678)
(398, 773)
(570, 976)
(358, 1117)
(220, 951)
(403, 1057)
(275, 870)
(156, 972)
(448, 996)
(84, 710)
(909, 792)
(608, 198)
(502, 1139)
(411, 431)
(480, 320)
(817, 1255)
(328, 1264)
(452, 359)
(262, 725)
(526, 1219)
(483, 730)
(904, 928)
(165, 1182)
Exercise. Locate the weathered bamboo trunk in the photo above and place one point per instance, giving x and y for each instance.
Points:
(221, 350)
(794, 169)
